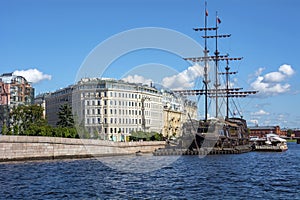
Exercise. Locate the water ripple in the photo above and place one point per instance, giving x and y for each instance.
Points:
(245, 176)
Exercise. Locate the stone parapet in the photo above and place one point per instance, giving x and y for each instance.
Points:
(14, 148)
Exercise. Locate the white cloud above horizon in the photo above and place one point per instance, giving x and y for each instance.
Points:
(272, 83)
(32, 75)
(260, 113)
(185, 79)
(137, 79)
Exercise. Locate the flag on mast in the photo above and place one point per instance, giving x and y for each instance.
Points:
(218, 20)
(206, 12)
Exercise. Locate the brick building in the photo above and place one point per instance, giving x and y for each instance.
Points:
(261, 131)
(14, 91)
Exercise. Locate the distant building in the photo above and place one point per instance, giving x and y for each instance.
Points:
(54, 100)
(41, 101)
(261, 131)
(176, 110)
(113, 109)
(297, 133)
(14, 91)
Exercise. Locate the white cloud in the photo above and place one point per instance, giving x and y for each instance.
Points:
(274, 77)
(286, 69)
(137, 79)
(260, 113)
(184, 79)
(32, 75)
(259, 71)
(272, 83)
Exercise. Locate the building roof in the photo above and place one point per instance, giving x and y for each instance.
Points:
(262, 127)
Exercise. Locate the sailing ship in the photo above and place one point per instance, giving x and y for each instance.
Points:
(218, 134)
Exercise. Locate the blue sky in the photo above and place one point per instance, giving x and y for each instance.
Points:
(56, 36)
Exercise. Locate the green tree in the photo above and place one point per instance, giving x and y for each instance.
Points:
(65, 116)
(289, 132)
(23, 116)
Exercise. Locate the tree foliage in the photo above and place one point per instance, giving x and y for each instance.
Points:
(22, 117)
(28, 120)
(146, 136)
(65, 116)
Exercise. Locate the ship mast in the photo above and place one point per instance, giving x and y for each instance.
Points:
(206, 81)
(217, 92)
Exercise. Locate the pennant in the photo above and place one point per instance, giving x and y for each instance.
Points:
(206, 12)
(218, 20)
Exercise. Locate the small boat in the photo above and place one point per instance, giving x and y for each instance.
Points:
(271, 142)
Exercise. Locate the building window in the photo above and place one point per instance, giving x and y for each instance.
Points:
(105, 111)
(99, 120)
(99, 102)
(111, 120)
(99, 111)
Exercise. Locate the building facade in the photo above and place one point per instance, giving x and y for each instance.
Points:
(261, 131)
(40, 100)
(14, 91)
(176, 111)
(54, 100)
(113, 109)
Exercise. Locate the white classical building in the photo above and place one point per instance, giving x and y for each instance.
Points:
(114, 108)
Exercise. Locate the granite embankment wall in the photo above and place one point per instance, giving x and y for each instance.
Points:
(15, 148)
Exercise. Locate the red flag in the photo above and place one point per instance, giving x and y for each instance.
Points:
(206, 12)
(218, 20)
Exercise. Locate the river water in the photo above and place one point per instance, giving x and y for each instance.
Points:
(244, 176)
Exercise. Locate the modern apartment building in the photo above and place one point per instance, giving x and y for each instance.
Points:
(112, 109)
(14, 91)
